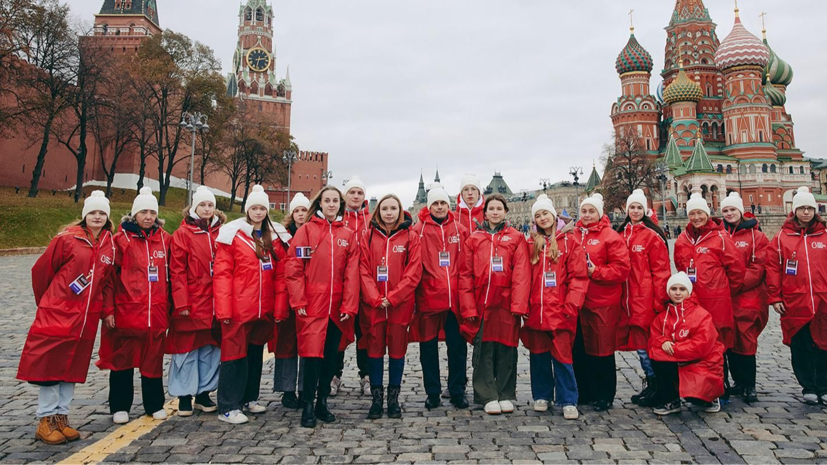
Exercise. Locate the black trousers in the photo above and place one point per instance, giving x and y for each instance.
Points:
(239, 381)
(122, 392)
(809, 363)
(319, 371)
(742, 369)
(361, 356)
(668, 382)
(596, 376)
(457, 360)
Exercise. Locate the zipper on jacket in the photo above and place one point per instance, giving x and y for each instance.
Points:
(809, 275)
(95, 251)
(490, 256)
(628, 288)
(149, 308)
(330, 306)
(212, 260)
(447, 268)
(543, 284)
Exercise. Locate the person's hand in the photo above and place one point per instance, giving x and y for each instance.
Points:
(109, 322)
(226, 322)
(591, 269)
(524, 316)
(385, 302)
(779, 308)
(302, 311)
(668, 347)
(344, 317)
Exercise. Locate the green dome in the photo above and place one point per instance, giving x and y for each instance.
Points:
(633, 57)
(682, 89)
(774, 94)
(781, 73)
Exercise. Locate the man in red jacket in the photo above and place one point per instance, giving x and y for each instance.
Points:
(470, 202)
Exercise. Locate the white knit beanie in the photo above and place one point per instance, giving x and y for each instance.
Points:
(202, 194)
(355, 182)
(543, 203)
(596, 201)
(257, 197)
(436, 194)
(470, 179)
(299, 200)
(96, 201)
(637, 197)
(680, 278)
(697, 202)
(144, 201)
(733, 200)
(803, 198)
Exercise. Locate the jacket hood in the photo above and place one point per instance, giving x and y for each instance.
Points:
(791, 225)
(461, 203)
(128, 223)
(714, 224)
(360, 210)
(569, 227)
(229, 230)
(406, 223)
(603, 222)
(320, 219)
(689, 305)
(425, 216)
(749, 222)
(191, 219)
(497, 229)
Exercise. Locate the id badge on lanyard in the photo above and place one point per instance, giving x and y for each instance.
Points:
(152, 273)
(79, 285)
(266, 263)
(445, 259)
(212, 272)
(693, 274)
(304, 253)
(496, 264)
(382, 274)
(550, 278)
(792, 267)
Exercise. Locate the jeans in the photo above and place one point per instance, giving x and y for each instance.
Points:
(122, 391)
(319, 371)
(596, 376)
(396, 367)
(55, 399)
(645, 363)
(668, 382)
(287, 372)
(239, 381)
(546, 386)
(194, 372)
(361, 355)
(457, 360)
(809, 362)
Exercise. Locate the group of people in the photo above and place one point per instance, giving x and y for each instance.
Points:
(214, 293)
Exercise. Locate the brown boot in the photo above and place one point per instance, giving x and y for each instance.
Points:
(70, 433)
(48, 432)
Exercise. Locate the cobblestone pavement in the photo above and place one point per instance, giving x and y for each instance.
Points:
(777, 429)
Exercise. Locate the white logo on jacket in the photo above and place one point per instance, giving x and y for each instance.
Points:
(593, 242)
(106, 260)
(819, 245)
(638, 248)
(453, 239)
(399, 249)
(505, 239)
(342, 243)
(742, 244)
(683, 333)
(702, 250)
(158, 254)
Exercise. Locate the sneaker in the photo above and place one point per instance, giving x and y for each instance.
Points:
(541, 405)
(823, 398)
(160, 415)
(714, 407)
(750, 395)
(570, 412)
(506, 406)
(204, 403)
(335, 384)
(254, 407)
(364, 386)
(446, 394)
(810, 399)
(185, 406)
(119, 418)
(289, 400)
(669, 408)
(234, 417)
(493, 408)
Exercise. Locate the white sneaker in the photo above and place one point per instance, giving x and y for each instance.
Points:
(715, 407)
(570, 412)
(335, 384)
(493, 408)
(506, 406)
(446, 394)
(254, 407)
(364, 386)
(120, 418)
(541, 405)
(810, 399)
(160, 415)
(234, 417)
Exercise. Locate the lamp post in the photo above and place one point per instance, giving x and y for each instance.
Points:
(326, 177)
(545, 182)
(576, 172)
(662, 169)
(194, 123)
(289, 157)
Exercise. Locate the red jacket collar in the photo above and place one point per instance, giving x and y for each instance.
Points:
(603, 222)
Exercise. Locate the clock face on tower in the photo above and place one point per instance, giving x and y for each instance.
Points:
(258, 59)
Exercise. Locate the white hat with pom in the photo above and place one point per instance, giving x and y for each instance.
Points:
(97, 201)
(257, 197)
(733, 200)
(596, 201)
(299, 200)
(144, 201)
(543, 203)
(803, 198)
(697, 202)
(638, 196)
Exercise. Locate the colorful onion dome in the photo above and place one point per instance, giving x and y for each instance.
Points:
(633, 57)
(781, 73)
(682, 89)
(776, 97)
(741, 48)
(659, 93)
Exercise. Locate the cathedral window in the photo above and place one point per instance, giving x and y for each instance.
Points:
(259, 15)
(719, 168)
(764, 168)
(791, 170)
(752, 169)
(772, 169)
(728, 169)
(248, 14)
(801, 169)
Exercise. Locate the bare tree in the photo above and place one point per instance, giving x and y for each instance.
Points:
(627, 167)
(15, 21)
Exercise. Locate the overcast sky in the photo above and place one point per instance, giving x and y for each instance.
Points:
(525, 87)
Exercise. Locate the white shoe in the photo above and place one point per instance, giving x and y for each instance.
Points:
(120, 418)
(234, 417)
(810, 399)
(160, 415)
(541, 405)
(446, 394)
(335, 384)
(570, 412)
(715, 407)
(506, 406)
(493, 408)
(254, 407)
(364, 386)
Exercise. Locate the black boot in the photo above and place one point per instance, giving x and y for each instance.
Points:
(289, 400)
(378, 393)
(185, 406)
(204, 403)
(394, 410)
(459, 401)
(433, 401)
(648, 396)
(647, 391)
(308, 415)
(748, 374)
(322, 412)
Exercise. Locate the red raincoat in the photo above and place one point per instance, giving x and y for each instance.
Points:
(803, 292)
(283, 344)
(60, 341)
(438, 291)
(248, 295)
(698, 352)
(644, 293)
(470, 217)
(326, 285)
(553, 310)
(141, 305)
(600, 314)
(720, 270)
(191, 260)
(499, 298)
(400, 254)
(358, 221)
(749, 306)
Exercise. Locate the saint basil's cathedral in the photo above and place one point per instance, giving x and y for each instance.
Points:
(718, 121)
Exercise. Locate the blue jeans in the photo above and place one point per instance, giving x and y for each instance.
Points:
(286, 372)
(645, 363)
(55, 400)
(194, 372)
(544, 383)
(396, 366)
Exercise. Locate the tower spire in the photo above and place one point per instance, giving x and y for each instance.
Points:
(763, 16)
(632, 21)
(737, 15)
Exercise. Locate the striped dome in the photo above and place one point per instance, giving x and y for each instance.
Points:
(633, 57)
(774, 95)
(659, 93)
(682, 89)
(781, 72)
(741, 48)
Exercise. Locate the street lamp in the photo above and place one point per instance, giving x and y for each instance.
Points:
(662, 169)
(194, 123)
(545, 182)
(326, 177)
(290, 157)
(576, 172)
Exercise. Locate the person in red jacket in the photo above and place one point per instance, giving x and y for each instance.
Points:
(390, 267)
(749, 305)
(323, 284)
(356, 217)
(559, 281)
(797, 287)
(608, 265)
(470, 202)
(193, 369)
(288, 370)
(685, 352)
(133, 333)
(250, 297)
(72, 286)
(437, 299)
(494, 283)
(644, 293)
